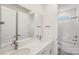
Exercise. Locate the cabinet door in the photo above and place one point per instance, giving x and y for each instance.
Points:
(24, 26)
(8, 16)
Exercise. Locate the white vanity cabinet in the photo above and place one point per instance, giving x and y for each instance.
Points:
(48, 50)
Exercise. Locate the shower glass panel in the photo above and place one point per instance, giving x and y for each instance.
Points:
(67, 31)
(8, 16)
(25, 26)
(66, 17)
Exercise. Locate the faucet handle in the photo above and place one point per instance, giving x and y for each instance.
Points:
(39, 36)
(16, 35)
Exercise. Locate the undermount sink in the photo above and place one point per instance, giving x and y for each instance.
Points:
(24, 51)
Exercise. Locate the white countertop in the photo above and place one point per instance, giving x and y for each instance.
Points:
(34, 45)
(37, 45)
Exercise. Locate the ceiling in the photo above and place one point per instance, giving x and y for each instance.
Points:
(65, 6)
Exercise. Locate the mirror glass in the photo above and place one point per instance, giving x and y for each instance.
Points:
(8, 16)
(8, 25)
(25, 25)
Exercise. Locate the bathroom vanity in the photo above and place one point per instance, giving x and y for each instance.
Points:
(27, 32)
(32, 47)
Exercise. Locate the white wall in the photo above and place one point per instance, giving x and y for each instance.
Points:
(50, 14)
(34, 7)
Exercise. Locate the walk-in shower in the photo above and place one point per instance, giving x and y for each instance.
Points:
(68, 29)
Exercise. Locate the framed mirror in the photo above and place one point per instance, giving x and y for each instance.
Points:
(8, 17)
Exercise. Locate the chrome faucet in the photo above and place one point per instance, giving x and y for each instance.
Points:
(16, 45)
(15, 41)
(39, 36)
